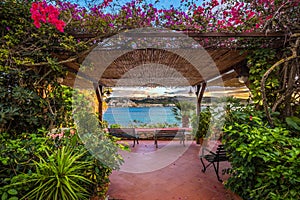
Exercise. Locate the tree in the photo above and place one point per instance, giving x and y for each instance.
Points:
(183, 111)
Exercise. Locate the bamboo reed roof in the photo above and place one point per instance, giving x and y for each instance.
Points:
(163, 65)
(162, 68)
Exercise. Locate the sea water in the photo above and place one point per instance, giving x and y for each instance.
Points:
(128, 116)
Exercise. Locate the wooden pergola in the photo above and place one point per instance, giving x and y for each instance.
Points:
(215, 61)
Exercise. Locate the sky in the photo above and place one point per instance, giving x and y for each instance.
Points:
(160, 3)
(212, 91)
(149, 92)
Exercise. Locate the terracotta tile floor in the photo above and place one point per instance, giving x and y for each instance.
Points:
(169, 172)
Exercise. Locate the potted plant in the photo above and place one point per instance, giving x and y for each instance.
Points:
(202, 127)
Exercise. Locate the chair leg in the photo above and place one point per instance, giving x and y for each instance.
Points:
(155, 142)
(204, 168)
(217, 171)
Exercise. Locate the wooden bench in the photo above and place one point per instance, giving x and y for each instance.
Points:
(176, 133)
(214, 158)
(124, 133)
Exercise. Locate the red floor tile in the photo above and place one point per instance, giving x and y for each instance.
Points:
(180, 179)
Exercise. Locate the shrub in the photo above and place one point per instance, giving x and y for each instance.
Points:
(33, 162)
(16, 159)
(202, 124)
(265, 161)
(115, 126)
(31, 96)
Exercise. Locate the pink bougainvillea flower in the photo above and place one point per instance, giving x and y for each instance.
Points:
(53, 136)
(41, 12)
(60, 26)
(37, 24)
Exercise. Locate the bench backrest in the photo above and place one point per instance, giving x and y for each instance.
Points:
(221, 153)
(122, 132)
(169, 133)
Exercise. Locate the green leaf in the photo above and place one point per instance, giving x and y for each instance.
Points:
(12, 192)
(4, 196)
(13, 198)
(293, 122)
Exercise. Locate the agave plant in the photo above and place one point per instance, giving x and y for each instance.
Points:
(61, 176)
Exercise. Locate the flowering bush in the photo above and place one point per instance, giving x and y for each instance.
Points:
(42, 12)
(61, 132)
(213, 15)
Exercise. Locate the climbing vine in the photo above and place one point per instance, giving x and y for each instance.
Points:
(259, 61)
(288, 93)
(274, 77)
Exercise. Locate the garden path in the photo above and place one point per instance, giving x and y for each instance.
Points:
(180, 179)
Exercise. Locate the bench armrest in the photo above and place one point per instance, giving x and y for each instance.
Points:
(205, 149)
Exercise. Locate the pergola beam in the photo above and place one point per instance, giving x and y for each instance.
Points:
(189, 33)
(99, 94)
(200, 93)
(250, 34)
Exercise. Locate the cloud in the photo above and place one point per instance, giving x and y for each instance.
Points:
(148, 91)
(212, 91)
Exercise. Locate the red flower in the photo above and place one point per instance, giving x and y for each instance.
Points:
(41, 12)
(60, 25)
(250, 118)
(37, 24)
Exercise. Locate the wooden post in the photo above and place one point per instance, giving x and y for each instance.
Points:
(200, 92)
(99, 93)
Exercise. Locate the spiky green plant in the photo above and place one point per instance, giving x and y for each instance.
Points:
(61, 176)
